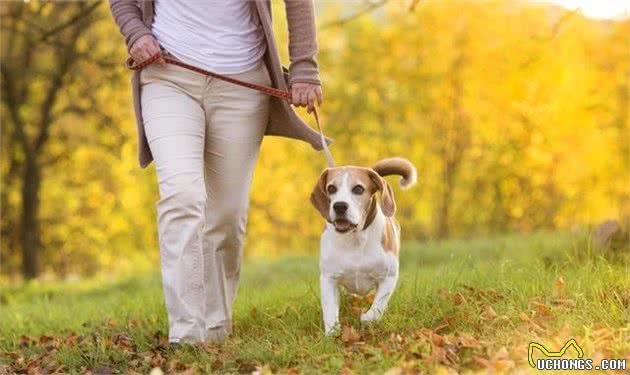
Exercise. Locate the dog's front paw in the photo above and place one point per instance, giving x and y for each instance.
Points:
(370, 316)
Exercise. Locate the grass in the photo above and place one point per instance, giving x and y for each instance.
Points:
(460, 305)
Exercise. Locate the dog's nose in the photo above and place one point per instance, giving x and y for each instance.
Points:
(340, 208)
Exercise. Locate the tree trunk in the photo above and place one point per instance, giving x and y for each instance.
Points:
(30, 221)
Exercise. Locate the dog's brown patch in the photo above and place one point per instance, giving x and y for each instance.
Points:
(390, 240)
(371, 214)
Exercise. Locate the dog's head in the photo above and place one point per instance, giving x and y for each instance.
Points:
(347, 196)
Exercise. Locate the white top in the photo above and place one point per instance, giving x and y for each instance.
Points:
(222, 36)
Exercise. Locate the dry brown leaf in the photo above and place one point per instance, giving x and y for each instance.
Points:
(524, 317)
(349, 334)
(559, 286)
(437, 340)
(489, 313)
(467, 341)
(356, 310)
(564, 302)
(459, 299)
(346, 371)
(216, 364)
(542, 309)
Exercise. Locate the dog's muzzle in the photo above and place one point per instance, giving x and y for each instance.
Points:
(343, 225)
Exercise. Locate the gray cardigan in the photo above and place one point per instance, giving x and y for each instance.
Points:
(135, 17)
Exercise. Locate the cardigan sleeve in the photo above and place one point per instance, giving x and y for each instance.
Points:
(128, 17)
(302, 41)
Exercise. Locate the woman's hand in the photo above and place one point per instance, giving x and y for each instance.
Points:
(145, 47)
(305, 95)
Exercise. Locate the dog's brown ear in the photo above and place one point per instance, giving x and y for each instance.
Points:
(319, 197)
(388, 204)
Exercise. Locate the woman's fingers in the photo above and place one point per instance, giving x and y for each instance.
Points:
(320, 95)
(143, 55)
(303, 98)
(144, 48)
(312, 97)
(306, 95)
(298, 96)
(156, 49)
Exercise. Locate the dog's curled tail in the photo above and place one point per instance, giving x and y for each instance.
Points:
(397, 166)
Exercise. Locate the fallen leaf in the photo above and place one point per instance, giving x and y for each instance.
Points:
(437, 340)
(542, 309)
(459, 299)
(356, 310)
(349, 334)
(489, 313)
(559, 286)
(467, 341)
(564, 302)
(524, 317)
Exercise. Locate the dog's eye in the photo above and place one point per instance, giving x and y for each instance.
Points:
(358, 190)
(331, 189)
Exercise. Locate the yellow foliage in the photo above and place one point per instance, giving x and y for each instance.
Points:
(515, 114)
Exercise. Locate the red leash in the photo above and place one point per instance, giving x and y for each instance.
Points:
(285, 95)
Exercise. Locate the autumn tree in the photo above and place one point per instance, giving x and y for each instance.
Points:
(49, 62)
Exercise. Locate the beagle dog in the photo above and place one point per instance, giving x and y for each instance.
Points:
(361, 239)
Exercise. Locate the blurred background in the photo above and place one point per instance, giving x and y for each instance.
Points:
(514, 112)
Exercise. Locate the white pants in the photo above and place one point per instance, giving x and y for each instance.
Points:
(204, 135)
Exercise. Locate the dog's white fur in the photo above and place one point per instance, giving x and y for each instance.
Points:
(359, 248)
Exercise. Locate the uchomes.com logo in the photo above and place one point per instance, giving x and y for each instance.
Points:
(558, 360)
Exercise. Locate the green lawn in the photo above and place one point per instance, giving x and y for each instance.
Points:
(460, 305)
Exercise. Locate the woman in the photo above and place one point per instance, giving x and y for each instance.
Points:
(204, 135)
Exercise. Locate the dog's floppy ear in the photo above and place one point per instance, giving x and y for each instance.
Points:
(388, 204)
(319, 197)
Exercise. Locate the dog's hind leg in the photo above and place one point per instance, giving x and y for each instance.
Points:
(383, 293)
(330, 303)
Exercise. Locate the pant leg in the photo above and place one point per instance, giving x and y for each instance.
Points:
(236, 121)
(175, 127)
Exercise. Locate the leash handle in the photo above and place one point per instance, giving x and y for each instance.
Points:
(285, 95)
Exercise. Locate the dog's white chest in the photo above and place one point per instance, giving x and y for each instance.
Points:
(357, 262)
